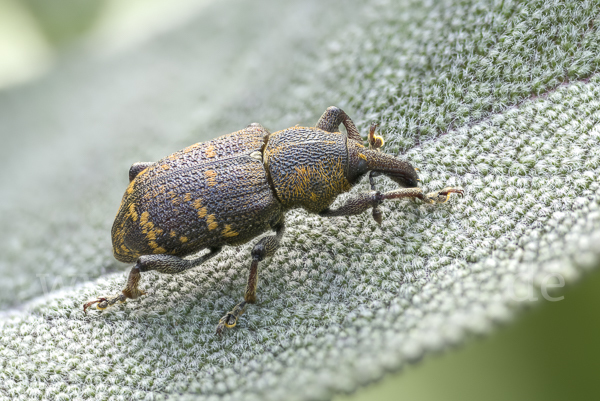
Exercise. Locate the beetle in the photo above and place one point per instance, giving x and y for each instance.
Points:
(231, 189)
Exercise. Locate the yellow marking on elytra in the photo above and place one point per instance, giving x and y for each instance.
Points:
(201, 210)
(360, 145)
(151, 236)
(149, 230)
(165, 167)
(228, 232)
(144, 218)
(156, 248)
(132, 212)
(210, 220)
(183, 239)
(362, 156)
(130, 187)
(187, 197)
(210, 177)
(191, 148)
(210, 151)
(172, 234)
(197, 203)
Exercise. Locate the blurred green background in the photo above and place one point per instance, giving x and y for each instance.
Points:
(35, 34)
(549, 353)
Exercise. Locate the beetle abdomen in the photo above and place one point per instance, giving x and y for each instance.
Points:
(207, 195)
(307, 166)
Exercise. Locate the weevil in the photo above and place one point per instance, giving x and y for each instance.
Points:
(229, 190)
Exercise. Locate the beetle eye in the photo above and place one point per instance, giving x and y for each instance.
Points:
(361, 166)
(357, 169)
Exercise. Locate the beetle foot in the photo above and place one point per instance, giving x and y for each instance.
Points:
(377, 215)
(88, 304)
(443, 195)
(103, 303)
(230, 319)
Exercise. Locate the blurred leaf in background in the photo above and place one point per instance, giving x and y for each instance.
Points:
(25, 52)
(63, 22)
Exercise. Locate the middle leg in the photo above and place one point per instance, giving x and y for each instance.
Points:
(264, 248)
(377, 213)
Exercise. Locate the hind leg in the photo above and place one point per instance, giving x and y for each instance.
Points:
(167, 264)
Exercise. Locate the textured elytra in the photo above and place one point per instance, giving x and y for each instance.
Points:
(207, 195)
(421, 283)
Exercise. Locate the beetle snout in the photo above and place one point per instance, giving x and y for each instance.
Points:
(406, 181)
(406, 176)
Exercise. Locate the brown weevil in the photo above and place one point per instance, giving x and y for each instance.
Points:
(233, 188)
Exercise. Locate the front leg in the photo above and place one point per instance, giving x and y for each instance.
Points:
(364, 201)
(332, 118)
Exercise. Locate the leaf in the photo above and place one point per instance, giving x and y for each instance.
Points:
(469, 92)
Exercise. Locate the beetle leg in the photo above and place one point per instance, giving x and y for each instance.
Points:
(432, 197)
(167, 264)
(377, 213)
(264, 248)
(361, 202)
(332, 118)
(357, 205)
(443, 195)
